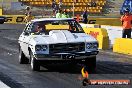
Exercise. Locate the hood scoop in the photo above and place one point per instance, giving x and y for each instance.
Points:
(58, 35)
(65, 35)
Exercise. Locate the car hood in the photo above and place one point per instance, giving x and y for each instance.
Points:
(61, 36)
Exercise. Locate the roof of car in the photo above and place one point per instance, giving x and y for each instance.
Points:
(50, 19)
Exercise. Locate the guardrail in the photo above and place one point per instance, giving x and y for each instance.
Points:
(91, 20)
(15, 19)
(105, 21)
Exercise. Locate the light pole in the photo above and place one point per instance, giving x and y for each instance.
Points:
(2, 4)
(73, 7)
(74, 1)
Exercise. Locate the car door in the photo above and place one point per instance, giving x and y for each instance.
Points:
(25, 38)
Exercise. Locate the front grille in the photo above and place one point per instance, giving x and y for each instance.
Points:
(67, 48)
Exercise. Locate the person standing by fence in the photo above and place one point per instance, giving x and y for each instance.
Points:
(126, 20)
(59, 14)
(85, 17)
(28, 17)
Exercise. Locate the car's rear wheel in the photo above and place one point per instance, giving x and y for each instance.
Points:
(90, 64)
(34, 63)
(22, 58)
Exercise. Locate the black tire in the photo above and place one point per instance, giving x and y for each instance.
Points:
(22, 58)
(34, 63)
(90, 64)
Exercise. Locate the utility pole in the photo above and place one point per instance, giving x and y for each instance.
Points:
(74, 1)
(73, 8)
(2, 4)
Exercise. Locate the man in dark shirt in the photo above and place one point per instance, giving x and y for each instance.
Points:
(85, 17)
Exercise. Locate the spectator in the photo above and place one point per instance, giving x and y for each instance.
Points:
(28, 10)
(56, 8)
(60, 4)
(85, 17)
(65, 14)
(78, 18)
(53, 4)
(28, 17)
(68, 13)
(59, 14)
(54, 14)
(126, 20)
(93, 4)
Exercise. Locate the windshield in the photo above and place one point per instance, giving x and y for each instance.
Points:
(46, 26)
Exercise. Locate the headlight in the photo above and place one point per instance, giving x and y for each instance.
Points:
(41, 47)
(91, 45)
(88, 45)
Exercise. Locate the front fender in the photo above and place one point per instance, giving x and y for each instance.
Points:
(31, 48)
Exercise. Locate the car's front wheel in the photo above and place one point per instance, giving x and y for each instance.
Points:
(34, 63)
(22, 58)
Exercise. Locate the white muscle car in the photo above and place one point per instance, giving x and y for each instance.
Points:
(52, 39)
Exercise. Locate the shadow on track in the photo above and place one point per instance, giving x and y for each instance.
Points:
(103, 67)
(62, 68)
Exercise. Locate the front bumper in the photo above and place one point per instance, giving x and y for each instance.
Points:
(66, 56)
